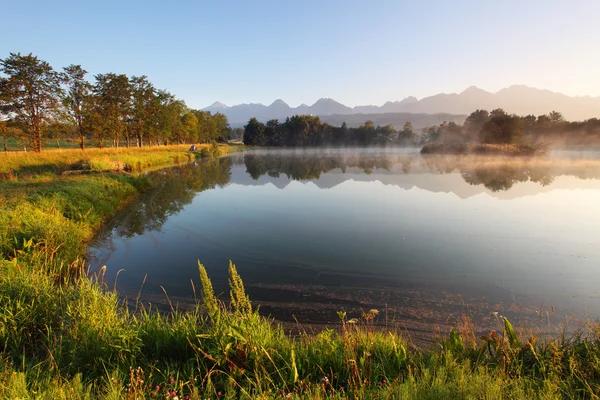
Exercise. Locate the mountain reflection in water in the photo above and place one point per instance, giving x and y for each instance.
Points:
(427, 238)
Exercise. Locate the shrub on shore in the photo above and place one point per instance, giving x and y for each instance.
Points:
(484, 149)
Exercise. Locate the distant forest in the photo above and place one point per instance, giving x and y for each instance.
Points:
(38, 103)
(481, 126)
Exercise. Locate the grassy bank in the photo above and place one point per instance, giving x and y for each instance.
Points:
(50, 163)
(62, 335)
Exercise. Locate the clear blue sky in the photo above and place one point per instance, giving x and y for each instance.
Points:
(357, 52)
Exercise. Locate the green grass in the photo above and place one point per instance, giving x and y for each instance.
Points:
(64, 335)
(53, 162)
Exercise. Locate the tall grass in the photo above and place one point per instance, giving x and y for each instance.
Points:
(63, 334)
(78, 337)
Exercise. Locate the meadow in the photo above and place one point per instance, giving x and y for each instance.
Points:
(64, 334)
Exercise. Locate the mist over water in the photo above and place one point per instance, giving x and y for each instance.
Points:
(314, 232)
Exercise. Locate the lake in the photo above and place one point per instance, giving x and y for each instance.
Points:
(425, 240)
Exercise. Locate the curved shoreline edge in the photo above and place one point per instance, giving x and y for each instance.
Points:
(63, 336)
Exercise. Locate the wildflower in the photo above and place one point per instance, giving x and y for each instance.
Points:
(283, 392)
(171, 380)
(353, 321)
(157, 388)
(218, 393)
(325, 379)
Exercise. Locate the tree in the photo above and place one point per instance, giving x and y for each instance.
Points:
(30, 94)
(169, 119)
(475, 122)
(501, 128)
(209, 128)
(430, 134)
(340, 135)
(254, 133)
(144, 105)
(273, 133)
(385, 134)
(366, 133)
(113, 106)
(556, 118)
(528, 123)
(189, 128)
(406, 135)
(221, 126)
(77, 93)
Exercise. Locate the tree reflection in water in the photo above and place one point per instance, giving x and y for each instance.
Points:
(498, 174)
(173, 188)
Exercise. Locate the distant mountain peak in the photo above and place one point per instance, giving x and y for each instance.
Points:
(409, 100)
(473, 89)
(217, 104)
(326, 100)
(279, 103)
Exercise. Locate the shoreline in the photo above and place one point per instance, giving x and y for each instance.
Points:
(421, 316)
(69, 332)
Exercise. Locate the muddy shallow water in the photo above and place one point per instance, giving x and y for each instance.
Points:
(425, 240)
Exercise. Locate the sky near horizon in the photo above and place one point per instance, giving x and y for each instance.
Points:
(356, 52)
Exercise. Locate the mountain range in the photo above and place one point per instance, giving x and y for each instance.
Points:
(518, 99)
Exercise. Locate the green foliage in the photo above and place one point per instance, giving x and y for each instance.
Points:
(501, 128)
(254, 133)
(30, 94)
(77, 99)
(239, 300)
(209, 300)
(38, 102)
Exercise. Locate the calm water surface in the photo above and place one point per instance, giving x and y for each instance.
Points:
(428, 239)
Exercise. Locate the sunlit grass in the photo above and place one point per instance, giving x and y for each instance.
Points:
(21, 165)
(64, 335)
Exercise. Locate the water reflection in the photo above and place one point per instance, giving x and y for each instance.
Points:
(172, 189)
(349, 232)
(495, 174)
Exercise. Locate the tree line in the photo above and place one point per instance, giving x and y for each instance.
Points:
(308, 130)
(500, 127)
(480, 126)
(38, 102)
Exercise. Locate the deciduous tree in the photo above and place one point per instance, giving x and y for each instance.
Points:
(30, 94)
(77, 94)
(113, 106)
